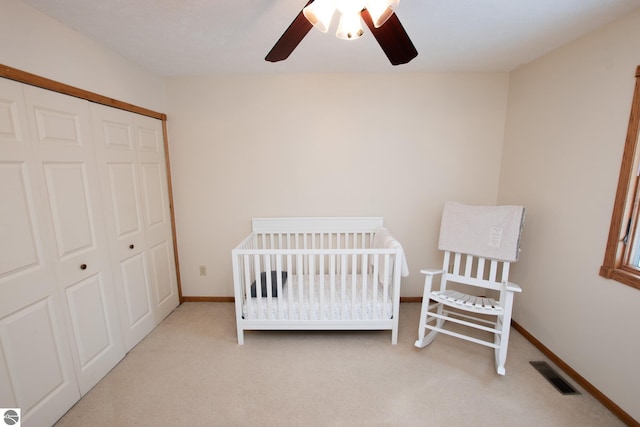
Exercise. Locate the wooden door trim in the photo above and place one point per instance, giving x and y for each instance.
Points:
(45, 83)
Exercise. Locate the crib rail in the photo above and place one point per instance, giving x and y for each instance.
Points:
(334, 279)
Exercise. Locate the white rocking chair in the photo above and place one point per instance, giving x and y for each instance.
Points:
(479, 244)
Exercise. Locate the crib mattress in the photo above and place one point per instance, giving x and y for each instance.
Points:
(323, 303)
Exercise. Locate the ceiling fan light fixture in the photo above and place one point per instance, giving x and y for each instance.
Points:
(392, 38)
(381, 10)
(350, 26)
(320, 13)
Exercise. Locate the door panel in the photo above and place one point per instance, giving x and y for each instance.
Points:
(61, 129)
(89, 317)
(124, 199)
(134, 272)
(12, 115)
(56, 126)
(21, 251)
(36, 365)
(70, 206)
(149, 136)
(161, 260)
(153, 195)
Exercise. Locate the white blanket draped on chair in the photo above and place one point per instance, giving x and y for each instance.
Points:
(485, 231)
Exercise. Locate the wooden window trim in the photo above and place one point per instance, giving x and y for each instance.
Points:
(613, 266)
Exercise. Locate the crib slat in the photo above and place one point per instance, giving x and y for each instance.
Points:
(291, 287)
(385, 280)
(305, 245)
(267, 269)
(343, 282)
(374, 279)
(322, 285)
(332, 279)
(364, 276)
(354, 276)
(300, 276)
(279, 286)
(312, 294)
(247, 283)
(256, 267)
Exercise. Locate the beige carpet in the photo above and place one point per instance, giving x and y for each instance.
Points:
(190, 371)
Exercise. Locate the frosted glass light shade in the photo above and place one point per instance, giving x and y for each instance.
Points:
(381, 10)
(349, 6)
(320, 13)
(350, 26)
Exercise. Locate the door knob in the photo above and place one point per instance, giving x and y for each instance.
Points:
(131, 246)
(83, 266)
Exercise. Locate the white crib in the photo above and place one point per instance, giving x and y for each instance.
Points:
(318, 274)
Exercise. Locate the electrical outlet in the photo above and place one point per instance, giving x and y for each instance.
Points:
(203, 270)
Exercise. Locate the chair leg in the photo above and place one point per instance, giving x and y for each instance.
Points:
(423, 340)
(504, 325)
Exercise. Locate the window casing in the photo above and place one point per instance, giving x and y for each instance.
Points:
(622, 254)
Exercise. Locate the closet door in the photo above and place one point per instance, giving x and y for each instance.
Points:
(131, 162)
(61, 134)
(119, 174)
(36, 365)
(156, 214)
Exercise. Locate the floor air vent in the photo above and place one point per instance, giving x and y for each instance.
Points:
(552, 376)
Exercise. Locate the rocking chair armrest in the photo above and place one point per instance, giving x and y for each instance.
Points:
(513, 287)
(432, 272)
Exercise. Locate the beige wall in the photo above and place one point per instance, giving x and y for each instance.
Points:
(395, 146)
(329, 145)
(566, 125)
(38, 44)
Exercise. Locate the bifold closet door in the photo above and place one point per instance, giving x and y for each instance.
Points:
(86, 247)
(36, 365)
(60, 128)
(130, 153)
(119, 174)
(156, 213)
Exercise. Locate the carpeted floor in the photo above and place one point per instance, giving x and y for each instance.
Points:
(190, 371)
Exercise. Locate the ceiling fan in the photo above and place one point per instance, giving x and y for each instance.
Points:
(377, 14)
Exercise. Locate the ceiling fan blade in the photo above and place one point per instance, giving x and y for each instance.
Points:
(392, 38)
(290, 39)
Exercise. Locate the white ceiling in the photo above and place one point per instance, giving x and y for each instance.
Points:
(200, 37)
